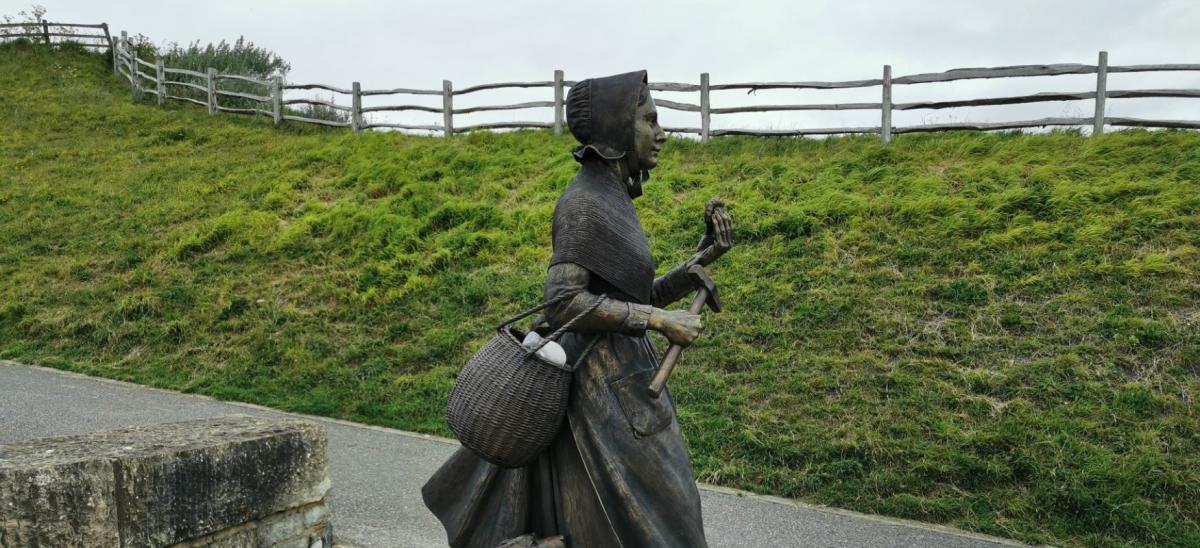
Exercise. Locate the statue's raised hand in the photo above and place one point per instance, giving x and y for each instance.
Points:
(718, 236)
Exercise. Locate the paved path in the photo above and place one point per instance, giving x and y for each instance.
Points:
(377, 472)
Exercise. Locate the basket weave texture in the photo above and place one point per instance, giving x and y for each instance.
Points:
(508, 403)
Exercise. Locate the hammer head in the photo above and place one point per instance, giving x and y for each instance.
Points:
(701, 280)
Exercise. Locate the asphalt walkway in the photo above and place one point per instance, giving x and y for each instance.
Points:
(377, 472)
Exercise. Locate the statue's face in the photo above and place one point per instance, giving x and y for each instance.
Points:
(648, 136)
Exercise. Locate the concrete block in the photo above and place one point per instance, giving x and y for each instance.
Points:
(60, 502)
(161, 484)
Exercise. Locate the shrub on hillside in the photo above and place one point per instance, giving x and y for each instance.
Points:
(240, 57)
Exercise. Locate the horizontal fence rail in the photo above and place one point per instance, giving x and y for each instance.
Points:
(127, 65)
(47, 32)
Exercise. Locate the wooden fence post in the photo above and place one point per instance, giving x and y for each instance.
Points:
(447, 108)
(1101, 93)
(558, 102)
(277, 99)
(108, 40)
(356, 121)
(134, 83)
(160, 78)
(885, 106)
(704, 108)
(125, 38)
(212, 90)
(46, 31)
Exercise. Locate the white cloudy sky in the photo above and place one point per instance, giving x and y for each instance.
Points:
(420, 43)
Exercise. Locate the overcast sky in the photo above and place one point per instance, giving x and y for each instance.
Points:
(420, 43)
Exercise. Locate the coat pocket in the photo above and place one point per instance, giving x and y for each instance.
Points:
(647, 416)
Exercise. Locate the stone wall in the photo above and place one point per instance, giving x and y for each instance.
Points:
(229, 482)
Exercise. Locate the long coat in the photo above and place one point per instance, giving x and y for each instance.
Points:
(616, 475)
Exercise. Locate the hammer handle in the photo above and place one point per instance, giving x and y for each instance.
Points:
(668, 363)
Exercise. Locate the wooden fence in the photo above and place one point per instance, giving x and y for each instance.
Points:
(48, 33)
(126, 63)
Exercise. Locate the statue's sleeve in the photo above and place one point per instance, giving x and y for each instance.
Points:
(671, 287)
(612, 315)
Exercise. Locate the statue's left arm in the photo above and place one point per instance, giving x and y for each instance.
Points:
(717, 240)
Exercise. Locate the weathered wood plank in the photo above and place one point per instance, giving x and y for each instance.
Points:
(196, 87)
(130, 66)
(185, 72)
(991, 126)
(559, 114)
(673, 105)
(144, 75)
(243, 95)
(1144, 93)
(1101, 87)
(396, 91)
(885, 107)
(482, 87)
(996, 72)
(329, 104)
(52, 35)
(188, 99)
(754, 86)
(448, 107)
(243, 78)
(212, 90)
(144, 63)
(318, 86)
(1011, 100)
(773, 108)
(404, 126)
(1155, 68)
(82, 45)
(123, 70)
(159, 78)
(356, 113)
(243, 110)
(796, 132)
(277, 99)
(693, 130)
(705, 107)
(53, 24)
(308, 120)
(1140, 122)
(392, 108)
(503, 125)
(672, 86)
(517, 106)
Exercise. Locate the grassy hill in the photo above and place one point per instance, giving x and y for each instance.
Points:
(999, 332)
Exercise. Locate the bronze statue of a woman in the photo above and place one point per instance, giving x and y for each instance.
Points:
(617, 474)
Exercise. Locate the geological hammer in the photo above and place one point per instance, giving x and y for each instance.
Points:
(706, 292)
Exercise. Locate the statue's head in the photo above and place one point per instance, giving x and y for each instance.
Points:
(614, 118)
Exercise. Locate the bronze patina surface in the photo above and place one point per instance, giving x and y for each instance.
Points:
(618, 472)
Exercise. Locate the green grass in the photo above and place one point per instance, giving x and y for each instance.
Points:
(999, 332)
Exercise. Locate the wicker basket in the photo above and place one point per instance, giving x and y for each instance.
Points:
(508, 402)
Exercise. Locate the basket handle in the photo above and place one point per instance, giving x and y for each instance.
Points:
(536, 309)
(557, 333)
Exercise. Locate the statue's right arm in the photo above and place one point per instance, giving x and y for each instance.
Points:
(611, 315)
